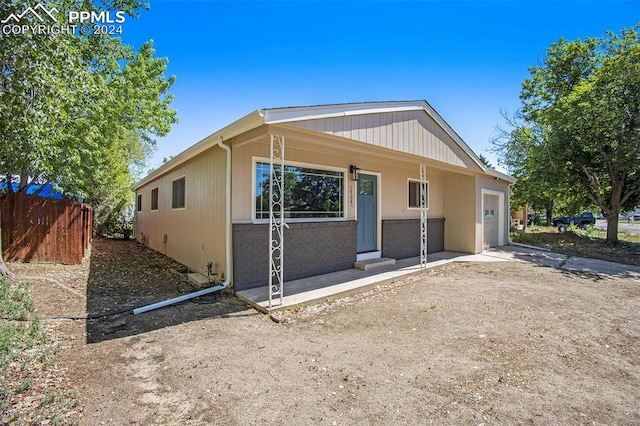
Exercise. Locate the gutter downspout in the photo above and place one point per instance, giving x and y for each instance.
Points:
(229, 260)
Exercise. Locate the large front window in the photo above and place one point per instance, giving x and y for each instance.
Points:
(309, 193)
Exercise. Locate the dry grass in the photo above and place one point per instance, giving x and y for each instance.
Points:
(32, 389)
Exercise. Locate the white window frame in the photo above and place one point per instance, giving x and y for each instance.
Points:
(138, 202)
(409, 180)
(157, 189)
(185, 192)
(345, 179)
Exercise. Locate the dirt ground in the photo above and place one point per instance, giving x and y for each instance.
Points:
(466, 343)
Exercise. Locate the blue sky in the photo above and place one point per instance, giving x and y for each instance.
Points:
(467, 59)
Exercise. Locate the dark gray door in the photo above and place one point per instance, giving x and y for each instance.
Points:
(367, 213)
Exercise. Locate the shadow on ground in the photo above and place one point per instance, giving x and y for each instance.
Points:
(588, 268)
(581, 244)
(124, 275)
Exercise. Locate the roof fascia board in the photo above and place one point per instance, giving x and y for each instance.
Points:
(499, 175)
(244, 124)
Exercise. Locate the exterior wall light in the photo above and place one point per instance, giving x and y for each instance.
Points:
(354, 172)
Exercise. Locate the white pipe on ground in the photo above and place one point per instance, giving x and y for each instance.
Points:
(228, 254)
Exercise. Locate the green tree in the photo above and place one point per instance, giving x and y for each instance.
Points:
(485, 161)
(80, 111)
(522, 149)
(586, 97)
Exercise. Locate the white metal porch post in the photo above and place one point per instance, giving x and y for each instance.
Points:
(423, 215)
(276, 220)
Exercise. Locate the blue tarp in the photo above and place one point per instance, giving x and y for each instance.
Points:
(48, 191)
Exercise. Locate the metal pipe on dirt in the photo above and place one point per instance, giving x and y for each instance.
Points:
(228, 252)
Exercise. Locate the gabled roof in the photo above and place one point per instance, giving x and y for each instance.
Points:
(301, 113)
(293, 114)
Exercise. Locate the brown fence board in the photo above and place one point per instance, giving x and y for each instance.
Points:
(44, 229)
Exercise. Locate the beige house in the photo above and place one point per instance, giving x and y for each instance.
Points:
(361, 181)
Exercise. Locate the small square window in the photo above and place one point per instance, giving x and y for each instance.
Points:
(414, 194)
(365, 186)
(178, 194)
(139, 202)
(154, 199)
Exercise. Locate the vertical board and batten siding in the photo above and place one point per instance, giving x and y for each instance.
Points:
(195, 233)
(411, 132)
(394, 178)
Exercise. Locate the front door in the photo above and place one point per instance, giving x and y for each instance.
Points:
(367, 213)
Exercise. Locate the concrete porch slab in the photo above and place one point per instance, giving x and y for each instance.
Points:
(320, 288)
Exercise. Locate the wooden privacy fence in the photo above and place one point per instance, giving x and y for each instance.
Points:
(44, 229)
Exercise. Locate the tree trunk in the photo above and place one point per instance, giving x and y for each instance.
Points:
(4, 272)
(617, 183)
(549, 214)
(24, 180)
(612, 209)
(612, 227)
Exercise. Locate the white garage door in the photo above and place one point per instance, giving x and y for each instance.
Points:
(491, 221)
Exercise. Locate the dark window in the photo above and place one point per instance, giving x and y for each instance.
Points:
(308, 193)
(139, 202)
(414, 194)
(178, 194)
(365, 187)
(154, 199)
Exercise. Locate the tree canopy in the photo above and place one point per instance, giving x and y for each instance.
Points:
(579, 138)
(80, 111)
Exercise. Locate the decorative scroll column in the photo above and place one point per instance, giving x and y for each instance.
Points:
(423, 215)
(276, 221)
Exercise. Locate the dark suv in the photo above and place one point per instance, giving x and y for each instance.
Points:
(581, 221)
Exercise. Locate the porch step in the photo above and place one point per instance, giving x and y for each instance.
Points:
(366, 265)
(198, 279)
